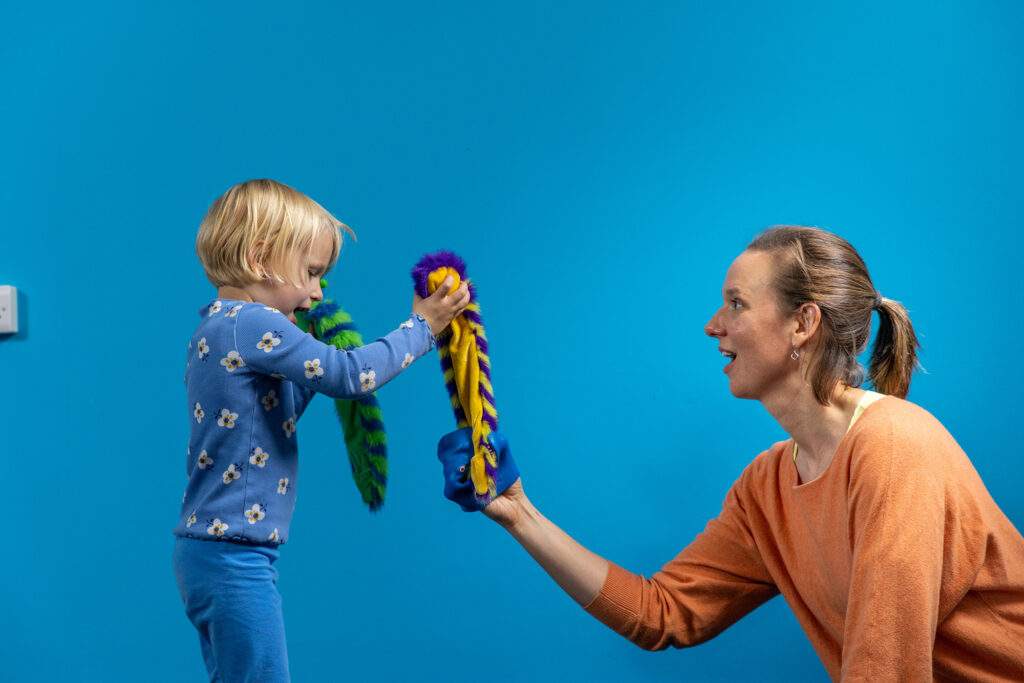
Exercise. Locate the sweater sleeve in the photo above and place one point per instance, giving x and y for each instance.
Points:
(918, 542)
(267, 342)
(711, 584)
(302, 397)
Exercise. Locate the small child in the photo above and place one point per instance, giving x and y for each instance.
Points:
(250, 374)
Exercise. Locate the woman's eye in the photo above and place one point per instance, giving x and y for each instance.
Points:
(735, 304)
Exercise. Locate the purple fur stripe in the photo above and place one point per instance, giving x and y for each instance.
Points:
(431, 262)
(486, 395)
(452, 389)
(486, 443)
(491, 421)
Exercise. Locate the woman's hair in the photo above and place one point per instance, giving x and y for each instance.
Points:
(254, 231)
(815, 266)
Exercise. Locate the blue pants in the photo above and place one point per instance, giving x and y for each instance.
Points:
(230, 595)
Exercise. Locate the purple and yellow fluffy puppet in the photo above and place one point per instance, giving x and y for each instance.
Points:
(476, 447)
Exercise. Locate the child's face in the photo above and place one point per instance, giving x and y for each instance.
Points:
(309, 268)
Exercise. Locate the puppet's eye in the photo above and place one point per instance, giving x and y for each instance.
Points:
(462, 468)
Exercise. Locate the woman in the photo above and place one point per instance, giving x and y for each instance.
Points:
(870, 520)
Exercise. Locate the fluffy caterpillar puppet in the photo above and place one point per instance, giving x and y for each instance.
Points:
(361, 420)
(476, 445)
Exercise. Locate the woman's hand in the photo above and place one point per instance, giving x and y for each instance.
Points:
(441, 307)
(509, 508)
(578, 571)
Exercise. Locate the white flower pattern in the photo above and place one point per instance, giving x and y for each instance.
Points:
(198, 412)
(282, 485)
(231, 473)
(255, 513)
(204, 460)
(314, 370)
(232, 361)
(215, 307)
(203, 348)
(227, 419)
(274, 537)
(269, 341)
(234, 311)
(407, 325)
(217, 528)
(289, 426)
(407, 361)
(191, 520)
(259, 457)
(368, 379)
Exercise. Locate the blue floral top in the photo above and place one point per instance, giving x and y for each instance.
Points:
(250, 374)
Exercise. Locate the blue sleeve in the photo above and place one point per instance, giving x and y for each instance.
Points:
(302, 396)
(268, 342)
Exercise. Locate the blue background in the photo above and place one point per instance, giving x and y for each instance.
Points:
(599, 168)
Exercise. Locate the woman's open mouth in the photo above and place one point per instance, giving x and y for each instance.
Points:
(732, 359)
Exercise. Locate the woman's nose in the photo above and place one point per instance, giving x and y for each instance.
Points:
(712, 328)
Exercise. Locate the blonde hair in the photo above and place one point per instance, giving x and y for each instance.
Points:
(253, 232)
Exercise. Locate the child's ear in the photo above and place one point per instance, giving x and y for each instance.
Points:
(256, 257)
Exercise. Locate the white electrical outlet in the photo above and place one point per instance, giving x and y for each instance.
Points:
(8, 309)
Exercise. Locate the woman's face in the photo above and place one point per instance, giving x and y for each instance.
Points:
(751, 329)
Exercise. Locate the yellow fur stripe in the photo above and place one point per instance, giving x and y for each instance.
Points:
(466, 375)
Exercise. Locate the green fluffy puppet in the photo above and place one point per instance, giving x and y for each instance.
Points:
(361, 419)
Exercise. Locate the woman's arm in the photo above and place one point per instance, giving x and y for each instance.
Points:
(578, 571)
(918, 538)
(712, 583)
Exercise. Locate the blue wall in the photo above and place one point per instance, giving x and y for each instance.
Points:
(598, 169)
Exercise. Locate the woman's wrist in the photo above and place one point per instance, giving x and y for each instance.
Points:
(578, 571)
(524, 518)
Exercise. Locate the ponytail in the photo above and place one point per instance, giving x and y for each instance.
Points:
(894, 355)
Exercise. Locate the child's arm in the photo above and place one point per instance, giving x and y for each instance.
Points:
(302, 396)
(269, 343)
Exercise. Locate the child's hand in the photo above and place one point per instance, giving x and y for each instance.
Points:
(441, 307)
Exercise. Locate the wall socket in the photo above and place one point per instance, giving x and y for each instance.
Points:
(8, 309)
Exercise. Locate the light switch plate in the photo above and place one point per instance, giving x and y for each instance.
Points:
(8, 309)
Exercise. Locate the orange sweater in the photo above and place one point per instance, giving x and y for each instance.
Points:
(896, 560)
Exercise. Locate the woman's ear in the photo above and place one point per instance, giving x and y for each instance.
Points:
(808, 320)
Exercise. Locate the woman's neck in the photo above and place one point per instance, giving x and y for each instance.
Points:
(816, 429)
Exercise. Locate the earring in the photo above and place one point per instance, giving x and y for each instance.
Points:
(795, 355)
